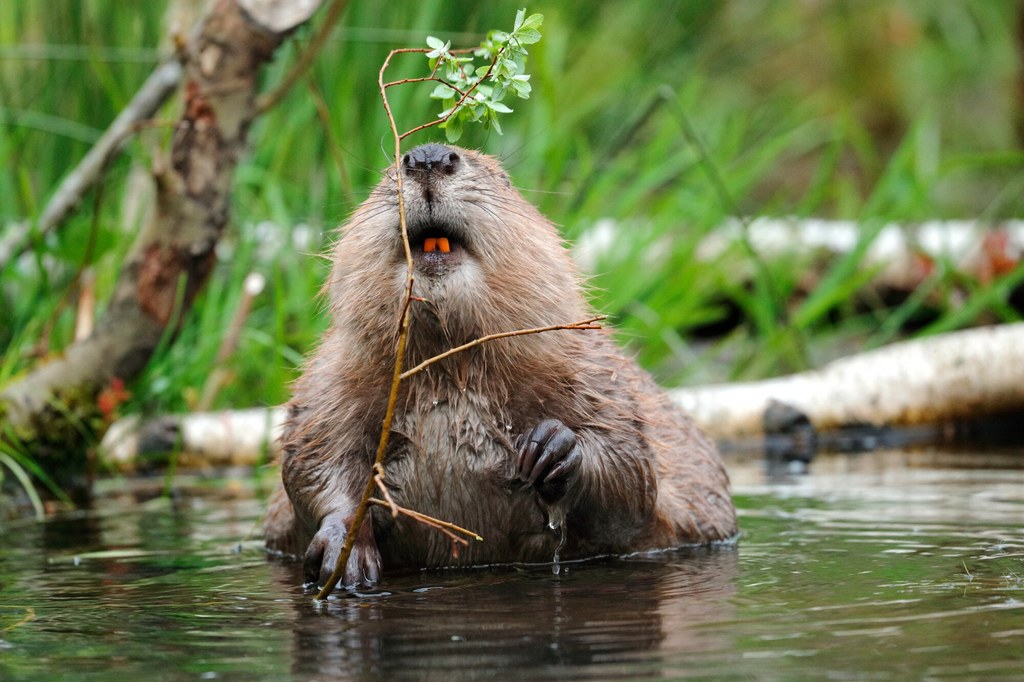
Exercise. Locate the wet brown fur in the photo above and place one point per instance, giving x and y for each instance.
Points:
(648, 478)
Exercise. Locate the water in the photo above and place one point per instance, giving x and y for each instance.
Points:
(878, 567)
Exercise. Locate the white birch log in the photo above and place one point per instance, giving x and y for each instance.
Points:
(957, 375)
(205, 439)
(901, 252)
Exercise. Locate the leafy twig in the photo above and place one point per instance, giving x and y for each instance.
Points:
(497, 47)
(474, 94)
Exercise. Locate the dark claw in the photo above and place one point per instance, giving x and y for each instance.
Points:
(549, 459)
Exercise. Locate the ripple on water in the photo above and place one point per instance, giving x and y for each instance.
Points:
(870, 567)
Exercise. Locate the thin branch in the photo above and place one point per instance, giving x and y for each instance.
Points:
(378, 478)
(421, 50)
(446, 527)
(424, 79)
(150, 97)
(403, 335)
(582, 324)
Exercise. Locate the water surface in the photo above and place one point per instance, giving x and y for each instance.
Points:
(887, 566)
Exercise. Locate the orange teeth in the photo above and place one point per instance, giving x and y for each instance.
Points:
(432, 243)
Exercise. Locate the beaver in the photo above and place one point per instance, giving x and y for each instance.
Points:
(541, 443)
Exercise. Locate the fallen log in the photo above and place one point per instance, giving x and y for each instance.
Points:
(939, 380)
(202, 439)
(942, 378)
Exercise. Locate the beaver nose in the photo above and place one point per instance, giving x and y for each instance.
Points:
(432, 157)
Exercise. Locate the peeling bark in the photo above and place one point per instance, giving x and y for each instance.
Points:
(174, 254)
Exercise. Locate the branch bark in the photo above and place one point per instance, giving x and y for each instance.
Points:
(174, 253)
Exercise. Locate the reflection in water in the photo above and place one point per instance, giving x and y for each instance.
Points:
(888, 566)
(598, 619)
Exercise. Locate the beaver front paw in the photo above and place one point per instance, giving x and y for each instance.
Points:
(363, 567)
(549, 459)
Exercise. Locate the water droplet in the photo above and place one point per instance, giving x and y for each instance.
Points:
(556, 522)
(556, 517)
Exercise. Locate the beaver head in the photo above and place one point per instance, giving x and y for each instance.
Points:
(485, 260)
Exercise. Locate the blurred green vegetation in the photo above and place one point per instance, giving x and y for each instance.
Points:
(872, 110)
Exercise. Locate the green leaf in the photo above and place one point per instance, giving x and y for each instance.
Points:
(528, 36)
(533, 21)
(440, 49)
(520, 17)
(506, 67)
(453, 129)
(453, 73)
(514, 50)
(442, 91)
(521, 86)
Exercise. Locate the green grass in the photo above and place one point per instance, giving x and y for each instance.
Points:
(865, 110)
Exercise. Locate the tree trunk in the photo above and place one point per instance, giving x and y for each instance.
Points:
(53, 412)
